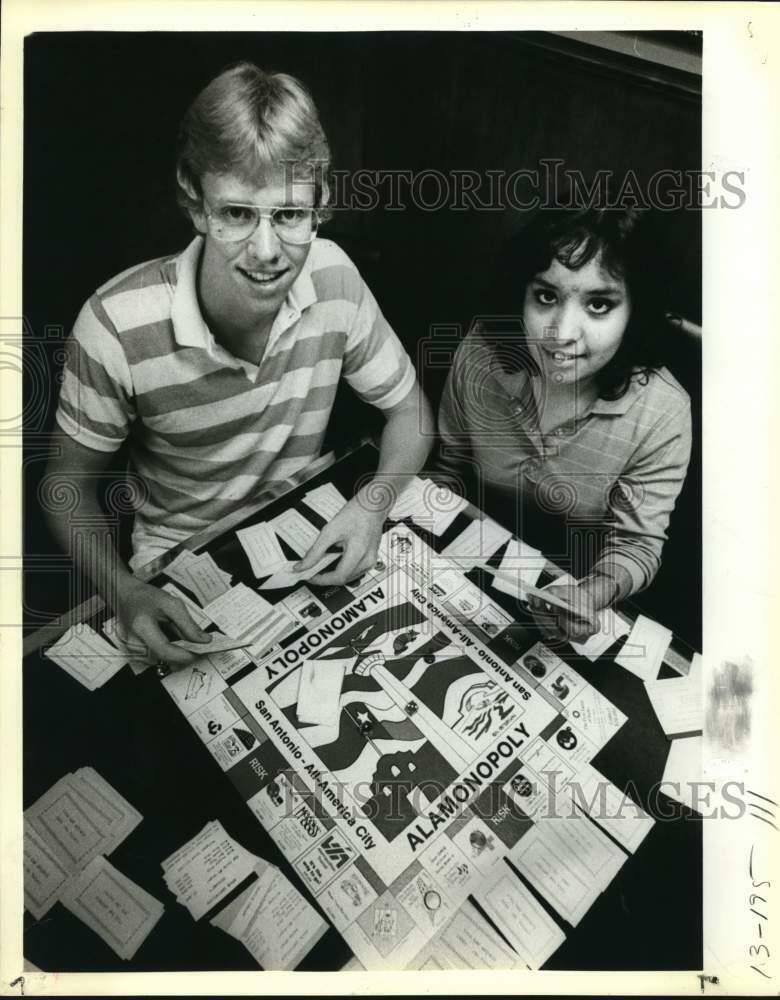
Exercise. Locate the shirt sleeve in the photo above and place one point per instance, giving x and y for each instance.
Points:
(96, 405)
(376, 365)
(642, 499)
(454, 455)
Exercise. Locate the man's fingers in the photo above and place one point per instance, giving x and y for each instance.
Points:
(182, 619)
(316, 552)
(342, 572)
(150, 632)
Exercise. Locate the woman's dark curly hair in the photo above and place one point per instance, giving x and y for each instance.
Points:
(626, 244)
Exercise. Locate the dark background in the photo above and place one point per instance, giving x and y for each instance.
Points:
(101, 114)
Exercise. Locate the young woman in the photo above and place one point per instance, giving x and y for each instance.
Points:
(558, 416)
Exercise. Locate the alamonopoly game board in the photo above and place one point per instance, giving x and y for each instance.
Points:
(429, 781)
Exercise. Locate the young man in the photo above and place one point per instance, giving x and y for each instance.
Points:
(224, 360)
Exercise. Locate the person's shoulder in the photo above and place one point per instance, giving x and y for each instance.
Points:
(147, 274)
(477, 346)
(662, 390)
(333, 273)
(138, 296)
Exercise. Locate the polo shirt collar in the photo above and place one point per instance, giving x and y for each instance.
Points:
(189, 327)
(602, 407)
(616, 407)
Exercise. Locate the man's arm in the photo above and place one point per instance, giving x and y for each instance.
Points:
(141, 607)
(406, 440)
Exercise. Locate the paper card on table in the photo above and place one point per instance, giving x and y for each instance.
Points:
(583, 846)
(611, 628)
(70, 824)
(288, 577)
(409, 502)
(643, 651)
(466, 942)
(596, 716)
(436, 507)
(319, 692)
(262, 548)
(293, 528)
(275, 923)
(521, 563)
(86, 656)
(238, 611)
(678, 704)
(524, 923)
(683, 771)
(614, 811)
(199, 574)
(207, 869)
(557, 876)
(477, 542)
(107, 802)
(272, 629)
(325, 500)
(44, 876)
(114, 907)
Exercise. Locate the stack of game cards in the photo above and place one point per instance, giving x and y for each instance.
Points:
(207, 869)
(66, 833)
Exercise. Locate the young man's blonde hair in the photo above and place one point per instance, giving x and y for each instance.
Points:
(249, 122)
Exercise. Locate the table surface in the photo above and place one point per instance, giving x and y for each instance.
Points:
(131, 731)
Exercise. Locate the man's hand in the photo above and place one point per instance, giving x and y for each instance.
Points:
(357, 532)
(142, 609)
(557, 625)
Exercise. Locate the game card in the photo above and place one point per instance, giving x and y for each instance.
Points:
(409, 502)
(678, 704)
(643, 651)
(521, 564)
(207, 869)
(319, 692)
(466, 942)
(44, 876)
(262, 548)
(583, 847)
(116, 909)
(86, 656)
(288, 577)
(69, 824)
(199, 574)
(552, 871)
(525, 923)
(238, 611)
(477, 543)
(594, 715)
(325, 500)
(293, 528)
(275, 923)
(614, 811)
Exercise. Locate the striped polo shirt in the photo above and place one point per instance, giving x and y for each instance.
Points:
(209, 430)
(607, 481)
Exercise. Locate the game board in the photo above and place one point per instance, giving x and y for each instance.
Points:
(433, 771)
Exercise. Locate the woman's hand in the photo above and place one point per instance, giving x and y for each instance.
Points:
(557, 625)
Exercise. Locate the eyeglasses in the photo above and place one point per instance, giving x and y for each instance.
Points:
(233, 222)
